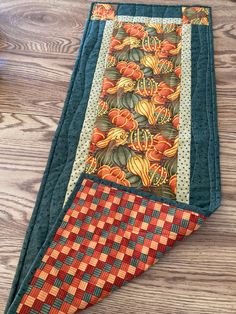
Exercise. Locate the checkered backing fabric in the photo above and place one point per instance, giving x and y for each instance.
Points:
(107, 237)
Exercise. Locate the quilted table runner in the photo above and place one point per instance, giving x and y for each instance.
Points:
(134, 164)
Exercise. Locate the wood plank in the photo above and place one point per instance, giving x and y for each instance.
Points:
(39, 43)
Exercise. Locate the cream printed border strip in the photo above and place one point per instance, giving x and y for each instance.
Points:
(183, 163)
(183, 172)
(147, 20)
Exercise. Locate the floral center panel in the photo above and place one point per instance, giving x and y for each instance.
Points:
(135, 136)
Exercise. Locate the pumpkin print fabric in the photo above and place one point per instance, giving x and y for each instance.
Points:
(103, 11)
(135, 136)
(195, 15)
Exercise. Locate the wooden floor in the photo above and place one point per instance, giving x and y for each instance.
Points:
(38, 45)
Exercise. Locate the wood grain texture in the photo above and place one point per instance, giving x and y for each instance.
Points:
(38, 45)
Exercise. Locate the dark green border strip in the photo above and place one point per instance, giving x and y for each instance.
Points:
(205, 166)
(217, 189)
(153, 4)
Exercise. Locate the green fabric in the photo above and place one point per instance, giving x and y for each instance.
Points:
(205, 170)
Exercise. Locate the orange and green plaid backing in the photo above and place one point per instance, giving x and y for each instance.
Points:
(107, 237)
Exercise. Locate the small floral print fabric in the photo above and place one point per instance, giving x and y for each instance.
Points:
(103, 11)
(135, 137)
(195, 15)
